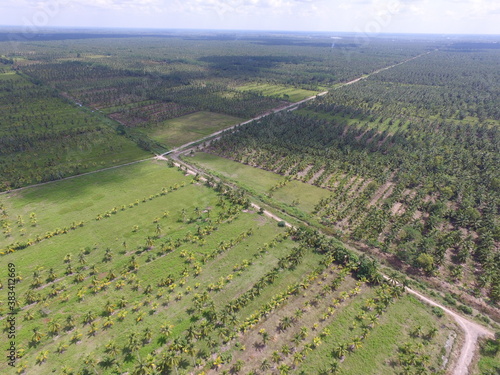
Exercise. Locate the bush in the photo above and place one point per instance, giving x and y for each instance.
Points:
(490, 347)
(449, 299)
(484, 318)
(438, 311)
(465, 309)
(281, 224)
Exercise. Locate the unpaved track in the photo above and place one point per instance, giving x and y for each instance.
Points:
(472, 331)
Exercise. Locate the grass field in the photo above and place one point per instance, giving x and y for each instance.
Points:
(379, 352)
(291, 94)
(295, 193)
(188, 128)
(136, 191)
(116, 255)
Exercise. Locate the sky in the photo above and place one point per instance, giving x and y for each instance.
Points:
(363, 16)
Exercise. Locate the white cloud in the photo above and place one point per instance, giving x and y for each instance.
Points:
(342, 15)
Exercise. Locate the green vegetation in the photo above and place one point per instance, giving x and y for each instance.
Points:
(401, 180)
(299, 195)
(103, 273)
(43, 137)
(188, 128)
(489, 361)
(278, 91)
(145, 268)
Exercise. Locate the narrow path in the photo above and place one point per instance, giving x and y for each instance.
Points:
(472, 330)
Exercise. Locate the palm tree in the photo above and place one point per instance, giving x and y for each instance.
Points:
(61, 348)
(276, 357)
(88, 318)
(166, 329)
(285, 350)
(334, 367)
(54, 327)
(340, 351)
(42, 357)
(191, 333)
(432, 333)
(37, 335)
(170, 360)
(191, 351)
(93, 329)
(417, 331)
(75, 337)
(284, 369)
(298, 358)
(148, 334)
(237, 366)
(355, 344)
(265, 365)
(298, 313)
(146, 366)
(265, 336)
(285, 323)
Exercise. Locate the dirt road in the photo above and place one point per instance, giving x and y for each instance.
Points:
(472, 331)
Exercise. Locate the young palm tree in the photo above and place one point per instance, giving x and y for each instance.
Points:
(237, 366)
(340, 351)
(142, 367)
(108, 323)
(37, 335)
(265, 366)
(276, 357)
(54, 327)
(355, 344)
(61, 348)
(148, 334)
(93, 329)
(284, 369)
(88, 318)
(285, 323)
(75, 337)
(42, 357)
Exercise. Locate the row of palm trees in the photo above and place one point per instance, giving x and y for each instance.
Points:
(77, 224)
(110, 309)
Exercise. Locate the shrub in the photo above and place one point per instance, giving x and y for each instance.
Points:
(449, 299)
(465, 309)
(438, 311)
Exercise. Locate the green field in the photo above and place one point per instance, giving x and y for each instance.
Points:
(379, 353)
(295, 193)
(109, 258)
(288, 93)
(269, 260)
(188, 128)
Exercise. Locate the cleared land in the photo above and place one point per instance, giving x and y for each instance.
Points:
(288, 93)
(184, 129)
(293, 193)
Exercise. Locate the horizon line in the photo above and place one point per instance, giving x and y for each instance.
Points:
(142, 28)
